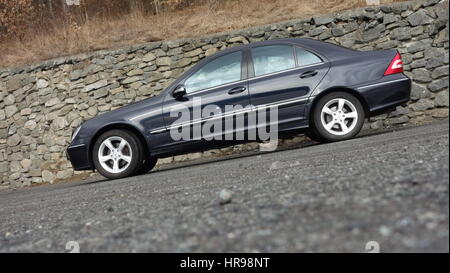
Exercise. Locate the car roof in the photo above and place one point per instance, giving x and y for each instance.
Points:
(286, 40)
(270, 42)
(326, 49)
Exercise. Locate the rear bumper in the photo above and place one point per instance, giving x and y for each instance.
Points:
(387, 93)
(79, 157)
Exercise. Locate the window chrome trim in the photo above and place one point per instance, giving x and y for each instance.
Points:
(257, 77)
(214, 87)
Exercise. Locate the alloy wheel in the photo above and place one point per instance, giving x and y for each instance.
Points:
(339, 116)
(115, 154)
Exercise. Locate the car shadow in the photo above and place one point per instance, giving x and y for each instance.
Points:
(244, 154)
(205, 161)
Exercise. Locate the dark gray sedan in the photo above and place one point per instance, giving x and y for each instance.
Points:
(324, 89)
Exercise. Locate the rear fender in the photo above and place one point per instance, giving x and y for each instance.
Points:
(360, 68)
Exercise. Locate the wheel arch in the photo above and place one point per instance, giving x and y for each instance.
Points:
(353, 92)
(109, 127)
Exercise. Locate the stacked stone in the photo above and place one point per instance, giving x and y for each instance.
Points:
(41, 104)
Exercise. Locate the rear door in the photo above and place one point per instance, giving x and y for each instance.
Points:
(284, 75)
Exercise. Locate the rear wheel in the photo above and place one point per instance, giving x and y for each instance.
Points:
(337, 116)
(117, 154)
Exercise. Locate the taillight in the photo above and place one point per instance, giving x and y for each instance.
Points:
(396, 65)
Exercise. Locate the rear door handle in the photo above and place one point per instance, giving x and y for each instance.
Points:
(237, 90)
(308, 74)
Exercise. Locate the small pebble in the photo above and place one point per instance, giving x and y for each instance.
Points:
(275, 165)
(385, 231)
(225, 197)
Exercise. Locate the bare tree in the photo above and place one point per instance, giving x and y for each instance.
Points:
(50, 8)
(64, 8)
(157, 6)
(132, 5)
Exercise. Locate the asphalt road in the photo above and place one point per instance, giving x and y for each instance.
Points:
(392, 188)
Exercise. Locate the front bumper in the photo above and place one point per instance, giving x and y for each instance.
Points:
(78, 155)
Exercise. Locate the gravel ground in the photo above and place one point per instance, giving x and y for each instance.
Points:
(392, 188)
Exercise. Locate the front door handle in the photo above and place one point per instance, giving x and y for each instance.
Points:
(237, 90)
(308, 74)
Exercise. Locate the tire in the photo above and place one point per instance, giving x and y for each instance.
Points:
(129, 158)
(147, 165)
(337, 116)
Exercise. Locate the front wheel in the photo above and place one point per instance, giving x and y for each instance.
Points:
(117, 154)
(147, 165)
(337, 116)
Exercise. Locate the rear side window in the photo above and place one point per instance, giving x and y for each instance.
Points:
(223, 70)
(305, 57)
(270, 59)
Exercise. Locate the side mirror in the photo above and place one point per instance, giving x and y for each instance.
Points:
(179, 92)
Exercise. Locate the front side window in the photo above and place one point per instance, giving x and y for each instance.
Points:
(270, 59)
(223, 70)
(304, 57)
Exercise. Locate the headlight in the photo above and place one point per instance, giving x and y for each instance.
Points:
(74, 134)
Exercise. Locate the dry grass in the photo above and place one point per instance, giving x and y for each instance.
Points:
(215, 16)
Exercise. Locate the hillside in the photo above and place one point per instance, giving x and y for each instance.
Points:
(31, 33)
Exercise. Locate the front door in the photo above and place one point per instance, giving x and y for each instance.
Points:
(212, 91)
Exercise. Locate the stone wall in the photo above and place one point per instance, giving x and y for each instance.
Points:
(40, 104)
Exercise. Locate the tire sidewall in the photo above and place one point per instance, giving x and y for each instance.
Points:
(136, 157)
(318, 126)
(148, 164)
